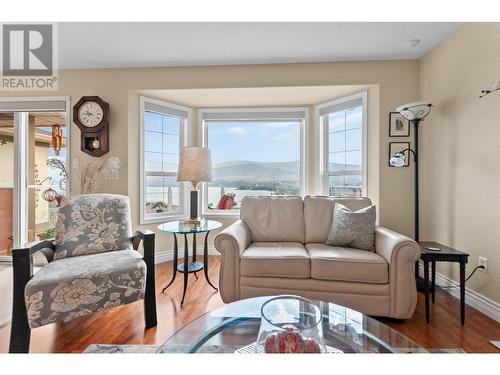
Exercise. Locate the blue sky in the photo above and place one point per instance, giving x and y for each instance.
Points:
(264, 141)
(255, 141)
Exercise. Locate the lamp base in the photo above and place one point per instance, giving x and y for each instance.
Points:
(192, 221)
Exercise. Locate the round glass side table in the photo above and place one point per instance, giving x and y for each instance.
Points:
(187, 267)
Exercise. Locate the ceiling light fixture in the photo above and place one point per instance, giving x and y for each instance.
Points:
(412, 43)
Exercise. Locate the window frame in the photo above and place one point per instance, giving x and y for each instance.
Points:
(185, 137)
(323, 140)
(259, 114)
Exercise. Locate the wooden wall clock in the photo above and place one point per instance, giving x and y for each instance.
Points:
(91, 115)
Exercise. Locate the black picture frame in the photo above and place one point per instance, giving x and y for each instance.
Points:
(403, 146)
(396, 116)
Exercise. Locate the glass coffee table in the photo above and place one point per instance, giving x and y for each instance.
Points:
(234, 329)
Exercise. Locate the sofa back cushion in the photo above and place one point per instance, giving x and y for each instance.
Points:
(275, 218)
(318, 213)
(93, 223)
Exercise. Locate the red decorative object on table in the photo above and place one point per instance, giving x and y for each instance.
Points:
(226, 202)
(290, 341)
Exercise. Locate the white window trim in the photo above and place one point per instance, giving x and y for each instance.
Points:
(304, 146)
(20, 209)
(184, 189)
(322, 142)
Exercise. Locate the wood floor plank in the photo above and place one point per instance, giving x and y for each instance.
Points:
(125, 324)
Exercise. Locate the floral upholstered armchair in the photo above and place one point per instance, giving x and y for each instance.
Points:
(93, 265)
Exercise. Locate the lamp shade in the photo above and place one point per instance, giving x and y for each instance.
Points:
(398, 160)
(415, 111)
(195, 165)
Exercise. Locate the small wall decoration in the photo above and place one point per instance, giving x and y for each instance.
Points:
(91, 115)
(398, 125)
(89, 178)
(395, 147)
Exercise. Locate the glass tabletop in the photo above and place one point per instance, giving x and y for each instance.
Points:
(179, 226)
(234, 328)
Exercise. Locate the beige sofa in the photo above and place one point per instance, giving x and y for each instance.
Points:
(278, 247)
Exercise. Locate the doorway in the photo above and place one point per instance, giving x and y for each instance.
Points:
(34, 175)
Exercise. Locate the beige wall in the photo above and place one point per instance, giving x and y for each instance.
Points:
(460, 158)
(391, 84)
(460, 166)
(396, 82)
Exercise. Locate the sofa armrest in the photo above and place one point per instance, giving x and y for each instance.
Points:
(401, 253)
(231, 242)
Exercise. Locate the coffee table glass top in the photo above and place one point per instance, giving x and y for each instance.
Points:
(235, 327)
(178, 226)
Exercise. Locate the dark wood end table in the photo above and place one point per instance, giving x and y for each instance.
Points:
(445, 254)
(187, 267)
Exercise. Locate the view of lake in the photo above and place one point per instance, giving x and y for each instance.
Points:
(155, 194)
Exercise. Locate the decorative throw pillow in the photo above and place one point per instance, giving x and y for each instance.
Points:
(355, 229)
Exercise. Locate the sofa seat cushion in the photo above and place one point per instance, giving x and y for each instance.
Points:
(276, 259)
(347, 264)
(75, 286)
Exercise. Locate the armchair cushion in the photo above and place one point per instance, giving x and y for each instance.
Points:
(92, 224)
(77, 286)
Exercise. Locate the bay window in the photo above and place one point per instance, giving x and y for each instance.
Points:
(343, 146)
(255, 152)
(164, 129)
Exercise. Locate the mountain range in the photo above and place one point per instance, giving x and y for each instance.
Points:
(245, 170)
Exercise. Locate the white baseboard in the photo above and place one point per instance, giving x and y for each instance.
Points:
(481, 303)
(168, 255)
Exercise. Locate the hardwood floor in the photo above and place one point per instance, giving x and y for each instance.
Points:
(125, 324)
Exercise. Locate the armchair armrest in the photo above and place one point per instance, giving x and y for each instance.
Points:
(401, 253)
(22, 260)
(145, 235)
(46, 247)
(148, 239)
(22, 267)
(231, 242)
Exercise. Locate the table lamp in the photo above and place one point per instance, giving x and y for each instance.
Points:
(195, 166)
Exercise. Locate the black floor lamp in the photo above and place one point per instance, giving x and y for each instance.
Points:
(414, 112)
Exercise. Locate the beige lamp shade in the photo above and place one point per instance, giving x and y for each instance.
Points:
(195, 165)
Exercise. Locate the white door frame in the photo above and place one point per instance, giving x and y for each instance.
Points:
(21, 164)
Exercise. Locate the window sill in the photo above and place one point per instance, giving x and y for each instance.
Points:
(162, 219)
(221, 215)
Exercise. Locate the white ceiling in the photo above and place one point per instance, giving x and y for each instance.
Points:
(126, 44)
(253, 96)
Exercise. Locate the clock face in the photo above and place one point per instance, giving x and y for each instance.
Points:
(90, 114)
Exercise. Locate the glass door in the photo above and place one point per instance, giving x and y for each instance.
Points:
(47, 175)
(34, 176)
